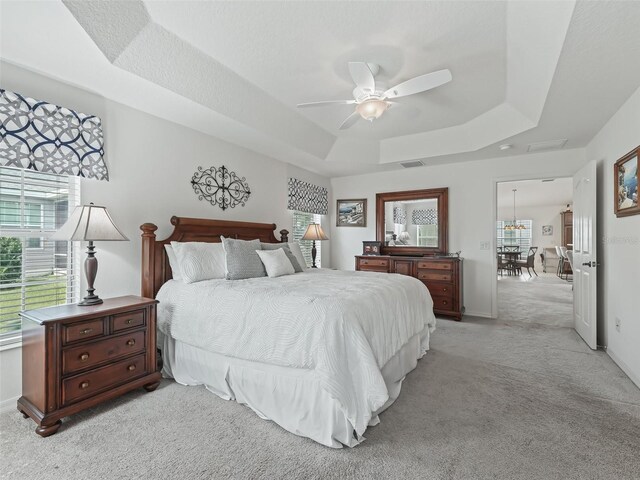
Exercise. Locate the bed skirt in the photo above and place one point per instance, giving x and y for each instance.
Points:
(291, 397)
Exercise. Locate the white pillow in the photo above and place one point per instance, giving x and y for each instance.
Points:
(295, 249)
(276, 262)
(199, 260)
(173, 263)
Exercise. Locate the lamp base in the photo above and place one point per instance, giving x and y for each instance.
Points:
(90, 300)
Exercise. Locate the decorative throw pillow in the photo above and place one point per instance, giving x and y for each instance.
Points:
(199, 260)
(241, 259)
(173, 263)
(295, 249)
(287, 250)
(276, 262)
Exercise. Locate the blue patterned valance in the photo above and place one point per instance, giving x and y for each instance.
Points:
(399, 215)
(425, 217)
(40, 136)
(307, 197)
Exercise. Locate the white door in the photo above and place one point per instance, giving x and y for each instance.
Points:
(584, 254)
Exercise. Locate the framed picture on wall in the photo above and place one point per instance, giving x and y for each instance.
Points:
(547, 230)
(625, 175)
(351, 213)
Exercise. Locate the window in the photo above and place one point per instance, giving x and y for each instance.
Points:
(521, 238)
(300, 222)
(428, 235)
(35, 272)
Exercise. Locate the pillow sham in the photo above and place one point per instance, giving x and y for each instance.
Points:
(295, 249)
(173, 263)
(199, 260)
(287, 250)
(241, 259)
(276, 262)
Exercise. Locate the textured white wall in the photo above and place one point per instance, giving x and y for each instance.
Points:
(619, 243)
(151, 162)
(472, 209)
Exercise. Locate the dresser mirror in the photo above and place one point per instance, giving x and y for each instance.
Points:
(413, 222)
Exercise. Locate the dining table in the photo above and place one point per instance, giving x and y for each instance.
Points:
(510, 257)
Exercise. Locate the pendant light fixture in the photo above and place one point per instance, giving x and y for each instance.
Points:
(515, 225)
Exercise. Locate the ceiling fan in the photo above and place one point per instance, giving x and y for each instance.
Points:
(371, 99)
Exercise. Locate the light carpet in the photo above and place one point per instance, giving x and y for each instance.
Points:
(545, 299)
(491, 400)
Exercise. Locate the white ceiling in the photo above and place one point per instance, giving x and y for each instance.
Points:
(536, 193)
(522, 71)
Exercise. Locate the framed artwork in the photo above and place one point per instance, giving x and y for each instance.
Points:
(625, 175)
(351, 213)
(547, 230)
(371, 248)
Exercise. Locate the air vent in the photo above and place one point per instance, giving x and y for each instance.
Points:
(550, 145)
(416, 163)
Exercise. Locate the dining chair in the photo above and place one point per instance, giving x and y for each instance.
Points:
(528, 263)
(559, 253)
(570, 260)
(566, 265)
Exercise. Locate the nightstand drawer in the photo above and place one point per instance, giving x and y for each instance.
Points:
(86, 356)
(123, 321)
(83, 330)
(86, 384)
(431, 275)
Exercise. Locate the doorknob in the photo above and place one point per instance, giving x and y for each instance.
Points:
(590, 264)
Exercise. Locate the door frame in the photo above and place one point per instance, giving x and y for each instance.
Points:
(494, 238)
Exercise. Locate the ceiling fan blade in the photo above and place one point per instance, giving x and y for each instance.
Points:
(326, 102)
(419, 84)
(351, 119)
(362, 76)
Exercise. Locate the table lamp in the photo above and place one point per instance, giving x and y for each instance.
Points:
(314, 232)
(89, 223)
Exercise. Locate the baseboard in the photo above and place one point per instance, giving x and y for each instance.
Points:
(476, 314)
(8, 404)
(624, 367)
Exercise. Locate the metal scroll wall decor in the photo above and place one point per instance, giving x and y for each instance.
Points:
(220, 187)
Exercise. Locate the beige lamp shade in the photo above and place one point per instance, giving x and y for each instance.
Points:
(89, 223)
(314, 232)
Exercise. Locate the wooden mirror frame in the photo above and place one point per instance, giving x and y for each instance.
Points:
(440, 194)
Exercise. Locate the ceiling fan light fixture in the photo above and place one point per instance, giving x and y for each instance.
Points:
(372, 109)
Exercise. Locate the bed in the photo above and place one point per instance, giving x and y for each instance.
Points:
(321, 352)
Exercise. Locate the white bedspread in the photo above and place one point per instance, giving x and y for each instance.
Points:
(343, 326)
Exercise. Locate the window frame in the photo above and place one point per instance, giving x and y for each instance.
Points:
(306, 245)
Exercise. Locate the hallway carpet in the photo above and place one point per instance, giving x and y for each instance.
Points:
(491, 400)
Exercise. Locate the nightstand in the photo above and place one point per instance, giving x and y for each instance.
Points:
(75, 357)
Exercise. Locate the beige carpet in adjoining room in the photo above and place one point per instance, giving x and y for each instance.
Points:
(492, 400)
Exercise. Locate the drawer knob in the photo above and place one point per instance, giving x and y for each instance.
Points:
(84, 385)
(131, 368)
(84, 356)
(444, 302)
(129, 321)
(85, 331)
(444, 289)
(131, 342)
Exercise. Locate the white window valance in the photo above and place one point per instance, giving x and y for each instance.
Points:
(425, 217)
(307, 197)
(41, 136)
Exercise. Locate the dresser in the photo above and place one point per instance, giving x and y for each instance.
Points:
(441, 275)
(75, 357)
(566, 229)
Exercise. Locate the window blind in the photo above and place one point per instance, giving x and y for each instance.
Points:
(300, 222)
(35, 272)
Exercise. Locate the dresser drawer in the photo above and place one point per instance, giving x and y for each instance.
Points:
(122, 321)
(374, 262)
(443, 303)
(431, 275)
(86, 384)
(86, 356)
(440, 289)
(435, 265)
(83, 330)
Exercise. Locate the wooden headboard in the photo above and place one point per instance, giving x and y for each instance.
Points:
(155, 264)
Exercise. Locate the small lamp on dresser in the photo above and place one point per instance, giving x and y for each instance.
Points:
(314, 232)
(90, 223)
